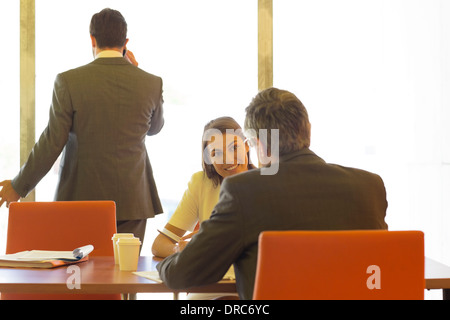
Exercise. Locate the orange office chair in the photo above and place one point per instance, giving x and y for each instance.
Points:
(340, 265)
(61, 225)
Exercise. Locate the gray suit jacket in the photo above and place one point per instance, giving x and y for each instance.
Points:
(305, 194)
(100, 115)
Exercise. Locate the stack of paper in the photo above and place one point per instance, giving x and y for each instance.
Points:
(45, 258)
(154, 275)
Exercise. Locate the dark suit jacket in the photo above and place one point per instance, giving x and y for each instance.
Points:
(305, 194)
(101, 114)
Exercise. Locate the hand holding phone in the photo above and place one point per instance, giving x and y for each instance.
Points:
(127, 54)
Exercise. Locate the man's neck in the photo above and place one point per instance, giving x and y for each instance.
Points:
(108, 53)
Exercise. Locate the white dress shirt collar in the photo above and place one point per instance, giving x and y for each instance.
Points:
(108, 54)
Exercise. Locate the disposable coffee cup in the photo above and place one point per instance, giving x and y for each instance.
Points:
(128, 249)
(114, 239)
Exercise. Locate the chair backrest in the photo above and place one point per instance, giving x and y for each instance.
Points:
(340, 265)
(61, 225)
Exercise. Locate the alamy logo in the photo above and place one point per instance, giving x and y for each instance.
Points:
(74, 280)
(374, 280)
(268, 159)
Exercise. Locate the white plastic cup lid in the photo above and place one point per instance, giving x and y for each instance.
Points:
(128, 241)
(122, 235)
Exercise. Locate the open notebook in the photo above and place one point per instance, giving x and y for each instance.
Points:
(45, 258)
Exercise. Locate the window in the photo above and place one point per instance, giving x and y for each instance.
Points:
(205, 51)
(10, 105)
(374, 78)
(372, 74)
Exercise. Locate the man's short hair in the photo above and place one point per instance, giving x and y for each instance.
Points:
(280, 109)
(109, 28)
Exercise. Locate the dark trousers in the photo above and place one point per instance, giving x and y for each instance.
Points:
(137, 227)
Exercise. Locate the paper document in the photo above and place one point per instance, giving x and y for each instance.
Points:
(151, 275)
(45, 258)
(40, 255)
(154, 275)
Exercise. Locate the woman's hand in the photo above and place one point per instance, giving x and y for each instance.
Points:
(184, 241)
(189, 236)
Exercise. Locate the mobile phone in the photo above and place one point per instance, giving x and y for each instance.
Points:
(172, 236)
(124, 52)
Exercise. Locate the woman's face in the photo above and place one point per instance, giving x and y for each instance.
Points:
(228, 155)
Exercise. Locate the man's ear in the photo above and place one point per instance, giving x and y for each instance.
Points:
(93, 41)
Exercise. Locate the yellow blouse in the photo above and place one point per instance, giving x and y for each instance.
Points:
(197, 202)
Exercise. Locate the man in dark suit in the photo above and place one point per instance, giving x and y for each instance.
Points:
(100, 115)
(303, 193)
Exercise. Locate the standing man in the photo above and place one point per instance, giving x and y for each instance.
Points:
(304, 193)
(100, 115)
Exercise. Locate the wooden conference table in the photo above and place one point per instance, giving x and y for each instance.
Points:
(101, 275)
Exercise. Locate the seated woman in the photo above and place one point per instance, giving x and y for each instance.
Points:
(222, 157)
